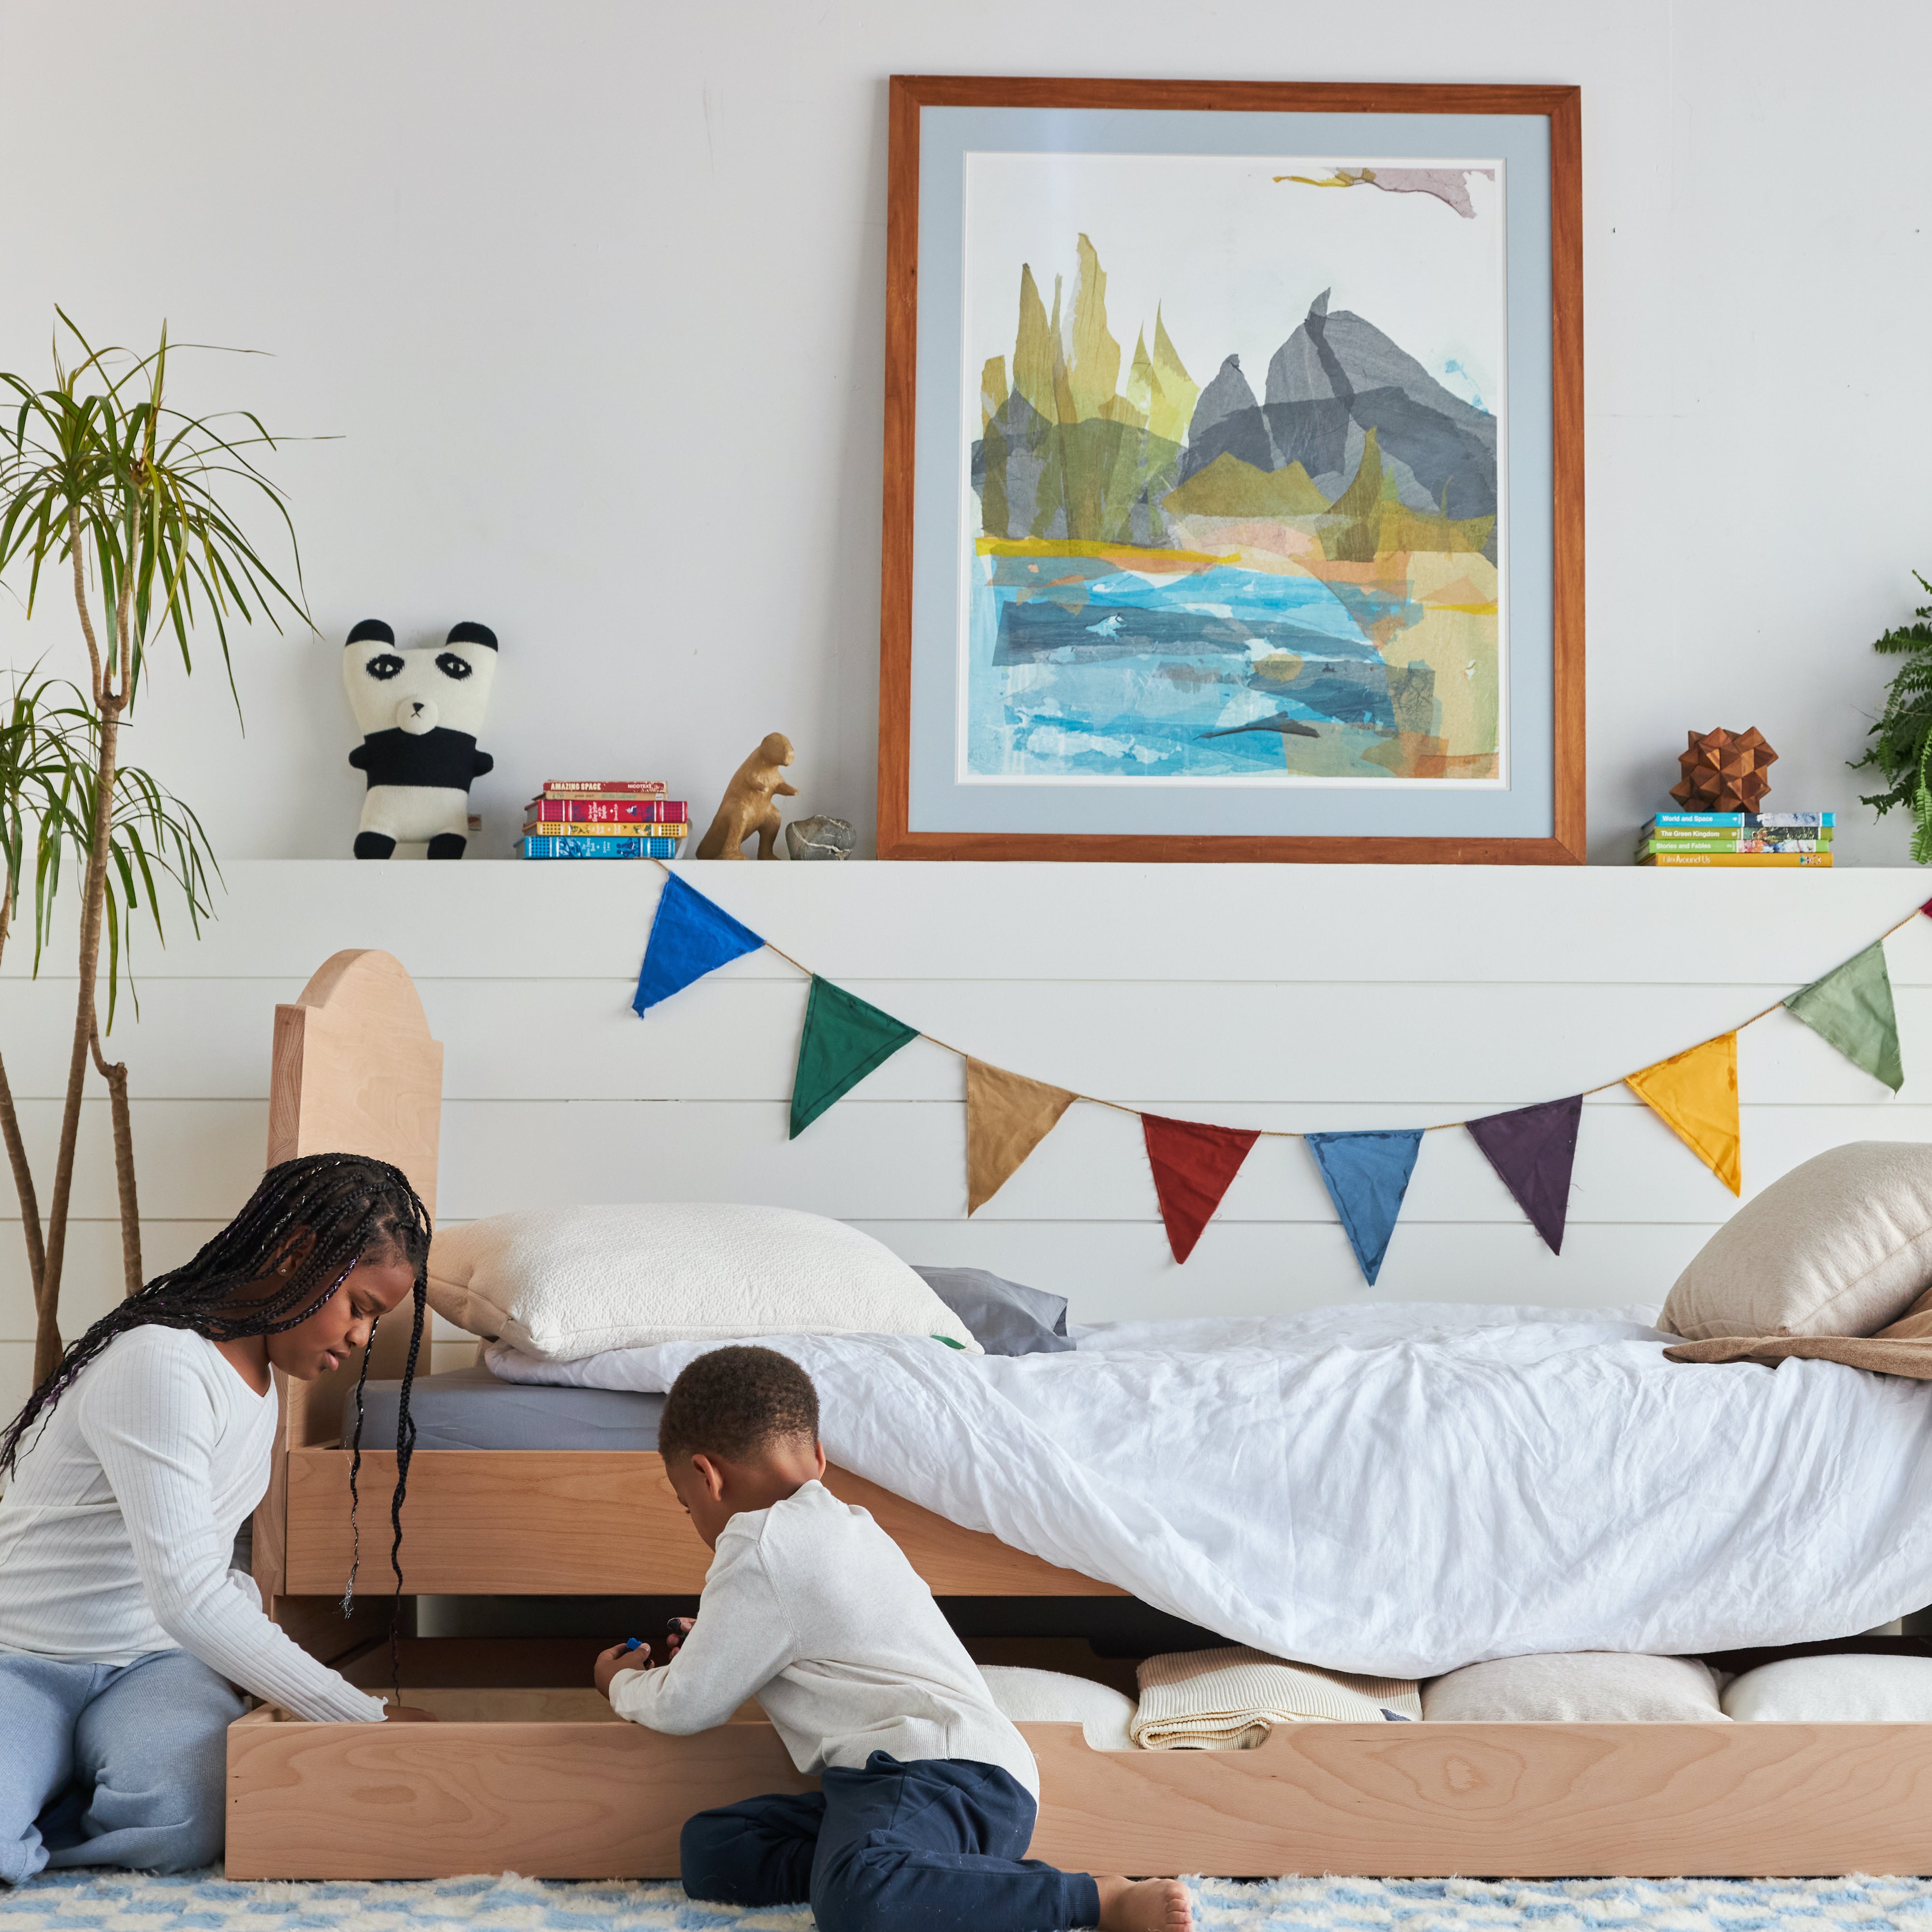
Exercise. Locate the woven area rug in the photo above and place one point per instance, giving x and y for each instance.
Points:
(97, 1902)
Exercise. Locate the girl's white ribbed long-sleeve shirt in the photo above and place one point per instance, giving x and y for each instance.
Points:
(117, 1526)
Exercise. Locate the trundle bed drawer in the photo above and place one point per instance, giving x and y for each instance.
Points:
(547, 1782)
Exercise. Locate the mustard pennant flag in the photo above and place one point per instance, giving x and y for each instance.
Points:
(1851, 1007)
(1696, 1093)
(1007, 1116)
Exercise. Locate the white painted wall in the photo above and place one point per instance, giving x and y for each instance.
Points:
(1266, 996)
(592, 293)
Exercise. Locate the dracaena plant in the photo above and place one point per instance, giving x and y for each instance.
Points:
(1901, 747)
(106, 484)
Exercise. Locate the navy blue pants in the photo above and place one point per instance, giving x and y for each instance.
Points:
(934, 1846)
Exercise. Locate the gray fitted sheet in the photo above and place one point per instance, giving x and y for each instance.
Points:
(470, 1409)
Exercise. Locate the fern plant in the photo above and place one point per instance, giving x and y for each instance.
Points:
(1901, 748)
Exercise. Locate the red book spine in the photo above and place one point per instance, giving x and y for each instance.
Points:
(622, 788)
(607, 811)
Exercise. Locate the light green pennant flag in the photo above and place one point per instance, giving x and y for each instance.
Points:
(843, 1040)
(1851, 1007)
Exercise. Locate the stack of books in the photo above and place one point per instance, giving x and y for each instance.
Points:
(604, 818)
(1736, 838)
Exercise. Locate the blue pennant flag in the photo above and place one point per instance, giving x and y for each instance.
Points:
(690, 937)
(1366, 1175)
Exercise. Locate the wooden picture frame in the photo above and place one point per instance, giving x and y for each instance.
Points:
(1547, 828)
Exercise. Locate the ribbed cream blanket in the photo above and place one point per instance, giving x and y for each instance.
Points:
(1230, 1700)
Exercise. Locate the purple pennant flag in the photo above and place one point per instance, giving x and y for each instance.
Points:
(1532, 1149)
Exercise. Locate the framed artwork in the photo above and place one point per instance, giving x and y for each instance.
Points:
(1233, 496)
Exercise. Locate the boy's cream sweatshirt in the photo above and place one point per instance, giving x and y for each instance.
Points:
(812, 1608)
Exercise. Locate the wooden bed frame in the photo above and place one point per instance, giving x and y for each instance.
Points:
(529, 1771)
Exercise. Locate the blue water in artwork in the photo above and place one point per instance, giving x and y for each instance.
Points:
(1224, 672)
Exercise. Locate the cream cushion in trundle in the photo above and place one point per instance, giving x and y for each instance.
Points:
(1586, 1687)
(1847, 1689)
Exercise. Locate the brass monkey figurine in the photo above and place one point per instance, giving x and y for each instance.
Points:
(750, 805)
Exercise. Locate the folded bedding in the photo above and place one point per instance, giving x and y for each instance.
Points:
(1230, 1698)
(1398, 1489)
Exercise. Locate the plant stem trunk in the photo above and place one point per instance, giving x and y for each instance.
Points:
(17, 1149)
(116, 1077)
(109, 704)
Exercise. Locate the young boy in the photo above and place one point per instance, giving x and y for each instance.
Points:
(927, 1794)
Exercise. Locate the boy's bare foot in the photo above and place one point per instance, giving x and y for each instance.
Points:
(1143, 1905)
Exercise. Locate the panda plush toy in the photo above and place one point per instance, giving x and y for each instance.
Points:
(420, 712)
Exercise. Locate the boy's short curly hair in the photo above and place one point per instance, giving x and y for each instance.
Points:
(734, 1402)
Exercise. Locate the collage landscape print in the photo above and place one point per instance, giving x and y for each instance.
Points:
(1285, 573)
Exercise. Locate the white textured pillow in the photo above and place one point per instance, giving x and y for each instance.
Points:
(1583, 1686)
(1051, 1697)
(1834, 1690)
(562, 1283)
(1840, 1246)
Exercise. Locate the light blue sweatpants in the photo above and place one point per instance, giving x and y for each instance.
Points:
(104, 1764)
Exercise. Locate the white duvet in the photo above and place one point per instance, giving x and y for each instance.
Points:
(1403, 1488)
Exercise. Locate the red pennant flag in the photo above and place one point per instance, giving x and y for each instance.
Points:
(1193, 1166)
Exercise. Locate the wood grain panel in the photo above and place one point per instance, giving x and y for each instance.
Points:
(592, 1523)
(1522, 1800)
(543, 1782)
(549, 1798)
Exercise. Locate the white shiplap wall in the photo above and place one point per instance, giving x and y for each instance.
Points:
(1274, 996)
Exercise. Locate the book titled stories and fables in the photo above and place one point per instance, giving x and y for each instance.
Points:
(608, 846)
(589, 810)
(1744, 842)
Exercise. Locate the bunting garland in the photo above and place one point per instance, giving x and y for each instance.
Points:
(1193, 1162)
(1695, 1092)
(1366, 1175)
(690, 937)
(843, 1040)
(1532, 1149)
(1851, 1007)
(1194, 1165)
(1007, 1116)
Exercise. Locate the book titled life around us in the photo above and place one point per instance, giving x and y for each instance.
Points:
(1673, 858)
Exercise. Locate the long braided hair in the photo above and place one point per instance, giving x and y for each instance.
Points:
(352, 1208)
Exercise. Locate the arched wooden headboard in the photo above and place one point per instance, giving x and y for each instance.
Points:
(356, 1071)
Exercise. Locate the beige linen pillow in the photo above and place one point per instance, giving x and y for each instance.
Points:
(1840, 1246)
(1584, 1686)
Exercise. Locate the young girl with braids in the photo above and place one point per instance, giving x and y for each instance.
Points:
(124, 1635)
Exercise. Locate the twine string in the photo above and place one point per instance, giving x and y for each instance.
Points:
(1435, 1127)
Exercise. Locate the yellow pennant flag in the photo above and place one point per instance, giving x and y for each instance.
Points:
(1006, 1117)
(1696, 1092)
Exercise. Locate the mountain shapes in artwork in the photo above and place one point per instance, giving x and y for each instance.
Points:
(1313, 564)
(1336, 380)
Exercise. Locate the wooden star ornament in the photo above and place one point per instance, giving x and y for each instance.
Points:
(1724, 771)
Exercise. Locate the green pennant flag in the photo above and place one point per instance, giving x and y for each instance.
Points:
(1851, 1007)
(844, 1039)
